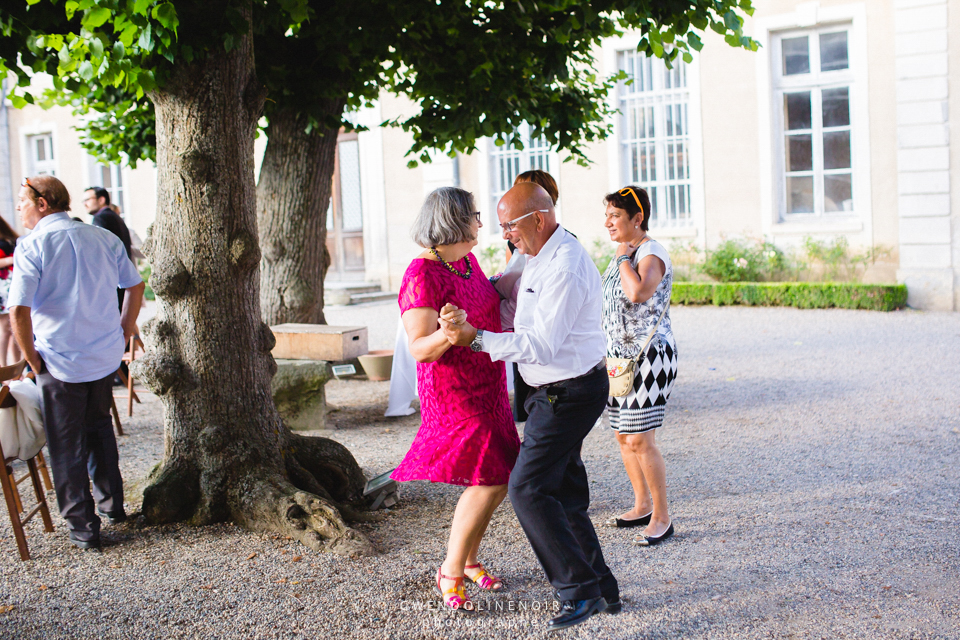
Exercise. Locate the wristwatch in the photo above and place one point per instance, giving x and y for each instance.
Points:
(477, 344)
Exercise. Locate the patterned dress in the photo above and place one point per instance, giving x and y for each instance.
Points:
(467, 435)
(627, 326)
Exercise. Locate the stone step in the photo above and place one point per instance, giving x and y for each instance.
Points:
(373, 296)
(341, 292)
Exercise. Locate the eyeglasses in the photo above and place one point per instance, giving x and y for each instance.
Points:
(509, 226)
(627, 190)
(26, 183)
(476, 214)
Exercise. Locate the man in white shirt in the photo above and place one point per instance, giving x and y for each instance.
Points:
(560, 347)
(64, 314)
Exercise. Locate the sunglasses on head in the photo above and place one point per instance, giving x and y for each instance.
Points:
(26, 183)
(627, 190)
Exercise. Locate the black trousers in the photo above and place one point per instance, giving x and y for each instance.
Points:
(82, 447)
(549, 488)
(520, 392)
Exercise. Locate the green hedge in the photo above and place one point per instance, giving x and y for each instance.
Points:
(805, 295)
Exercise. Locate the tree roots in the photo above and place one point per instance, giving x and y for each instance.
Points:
(322, 490)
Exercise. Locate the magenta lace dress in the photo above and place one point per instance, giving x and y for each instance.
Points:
(467, 435)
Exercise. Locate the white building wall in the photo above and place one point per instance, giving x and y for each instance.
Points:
(926, 216)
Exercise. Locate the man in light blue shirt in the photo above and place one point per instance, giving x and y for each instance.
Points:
(65, 318)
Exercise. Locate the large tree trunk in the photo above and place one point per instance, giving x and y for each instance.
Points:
(227, 454)
(292, 199)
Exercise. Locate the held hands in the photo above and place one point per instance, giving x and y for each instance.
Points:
(453, 322)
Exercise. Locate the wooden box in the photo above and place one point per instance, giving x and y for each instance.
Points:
(319, 342)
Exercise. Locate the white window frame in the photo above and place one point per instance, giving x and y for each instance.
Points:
(117, 174)
(814, 82)
(811, 19)
(489, 191)
(27, 136)
(694, 225)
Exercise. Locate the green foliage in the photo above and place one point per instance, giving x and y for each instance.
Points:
(833, 260)
(473, 69)
(761, 261)
(686, 258)
(738, 261)
(602, 254)
(493, 259)
(145, 271)
(805, 295)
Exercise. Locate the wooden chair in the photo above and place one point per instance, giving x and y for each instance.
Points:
(9, 482)
(127, 378)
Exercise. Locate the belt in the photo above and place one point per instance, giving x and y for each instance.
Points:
(601, 366)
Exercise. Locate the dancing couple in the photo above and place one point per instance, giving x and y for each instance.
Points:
(452, 316)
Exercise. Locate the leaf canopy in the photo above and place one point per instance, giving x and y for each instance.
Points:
(473, 68)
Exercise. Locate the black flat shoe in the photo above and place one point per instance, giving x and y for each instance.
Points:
(650, 541)
(573, 612)
(614, 605)
(621, 523)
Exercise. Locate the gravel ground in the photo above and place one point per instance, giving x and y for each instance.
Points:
(813, 477)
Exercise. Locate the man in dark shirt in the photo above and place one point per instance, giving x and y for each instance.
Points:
(97, 202)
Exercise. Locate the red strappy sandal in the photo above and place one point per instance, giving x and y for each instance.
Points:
(484, 580)
(454, 597)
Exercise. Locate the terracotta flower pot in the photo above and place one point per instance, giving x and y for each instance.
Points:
(377, 364)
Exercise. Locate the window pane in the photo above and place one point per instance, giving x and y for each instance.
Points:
(105, 181)
(796, 110)
(837, 193)
(836, 150)
(352, 213)
(675, 78)
(353, 252)
(41, 150)
(800, 153)
(796, 55)
(836, 107)
(648, 163)
(799, 194)
(833, 51)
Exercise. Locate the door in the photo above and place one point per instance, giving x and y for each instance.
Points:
(345, 215)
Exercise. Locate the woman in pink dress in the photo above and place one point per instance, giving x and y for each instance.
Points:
(467, 436)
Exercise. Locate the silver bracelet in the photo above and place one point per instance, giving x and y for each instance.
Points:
(621, 260)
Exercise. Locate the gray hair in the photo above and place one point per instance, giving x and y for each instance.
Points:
(445, 218)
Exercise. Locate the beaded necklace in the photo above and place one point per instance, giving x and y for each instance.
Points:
(451, 268)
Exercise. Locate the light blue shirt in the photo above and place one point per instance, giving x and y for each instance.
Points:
(68, 272)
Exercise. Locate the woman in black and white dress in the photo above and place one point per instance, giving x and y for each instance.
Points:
(636, 290)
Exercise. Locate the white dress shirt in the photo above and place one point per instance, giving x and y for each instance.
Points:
(557, 328)
(67, 273)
